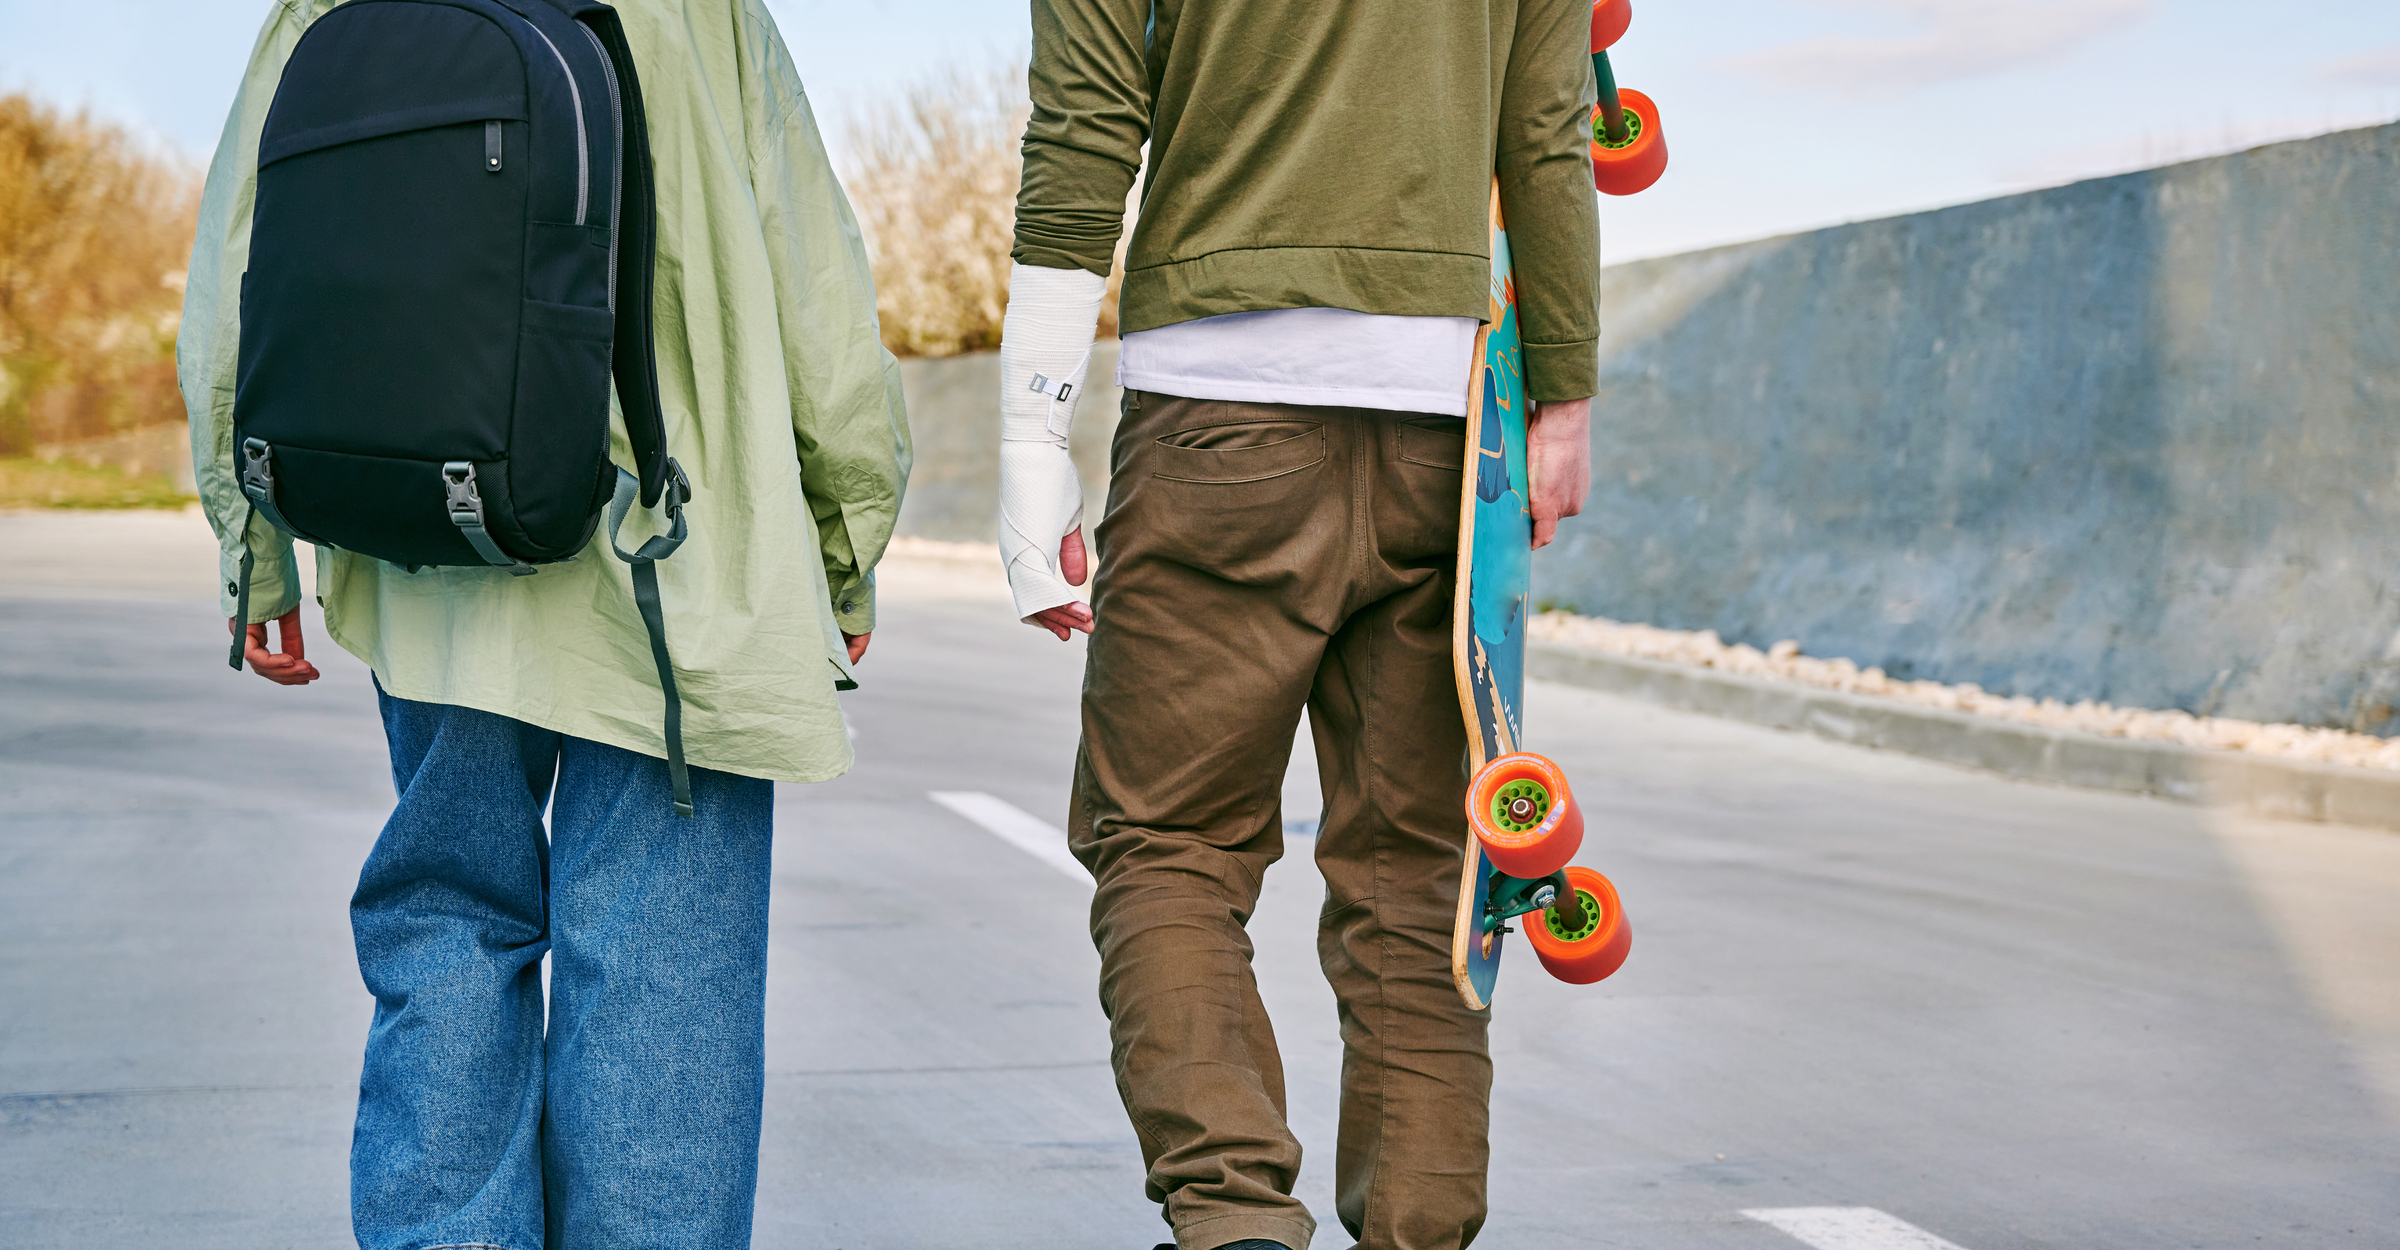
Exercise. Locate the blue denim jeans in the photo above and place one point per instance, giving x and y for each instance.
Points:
(632, 1118)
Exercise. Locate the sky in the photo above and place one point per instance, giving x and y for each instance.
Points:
(1780, 115)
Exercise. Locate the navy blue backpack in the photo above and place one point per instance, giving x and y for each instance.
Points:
(450, 259)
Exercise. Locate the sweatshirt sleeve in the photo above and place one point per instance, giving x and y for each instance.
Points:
(208, 343)
(1083, 141)
(848, 418)
(1545, 169)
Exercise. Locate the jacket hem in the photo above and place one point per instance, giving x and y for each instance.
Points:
(1385, 281)
(565, 721)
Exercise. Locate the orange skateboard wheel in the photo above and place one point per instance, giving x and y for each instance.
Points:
(1631, 166)
(1524, 815)
(1592, 951)
(1609, 20)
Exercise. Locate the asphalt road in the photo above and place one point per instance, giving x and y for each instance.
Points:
(2010, 1016)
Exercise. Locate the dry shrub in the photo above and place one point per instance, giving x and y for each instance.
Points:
(94, 231)
(933, 179)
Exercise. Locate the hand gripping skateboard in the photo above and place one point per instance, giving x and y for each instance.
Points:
(1520, 808)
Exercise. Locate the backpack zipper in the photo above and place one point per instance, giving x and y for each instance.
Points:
(583, 140)
(616, 183)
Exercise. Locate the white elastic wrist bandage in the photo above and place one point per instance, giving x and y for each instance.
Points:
(1045, 345)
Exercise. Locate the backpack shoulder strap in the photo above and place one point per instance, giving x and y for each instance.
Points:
(636, 364)
(637, 257)
(656, 475)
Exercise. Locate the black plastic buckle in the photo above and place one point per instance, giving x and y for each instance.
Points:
(679, 486)
(458, 485)
(258, 469)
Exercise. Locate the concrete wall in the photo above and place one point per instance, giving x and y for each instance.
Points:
(2135, 439)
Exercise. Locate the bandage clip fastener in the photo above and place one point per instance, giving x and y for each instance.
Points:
(1059, 391)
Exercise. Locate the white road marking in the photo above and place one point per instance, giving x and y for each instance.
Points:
(1850, 1228)
(1016, 826)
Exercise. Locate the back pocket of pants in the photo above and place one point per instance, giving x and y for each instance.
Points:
(1435, 442)
(1242, 451)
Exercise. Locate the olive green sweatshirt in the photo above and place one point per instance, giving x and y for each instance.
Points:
(1322, 153)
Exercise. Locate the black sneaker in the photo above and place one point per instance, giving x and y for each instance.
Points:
(1255, 1243)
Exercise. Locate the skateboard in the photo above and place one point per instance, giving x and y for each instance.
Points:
(1520, 809)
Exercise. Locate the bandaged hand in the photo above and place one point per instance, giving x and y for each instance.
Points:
(1045, 345)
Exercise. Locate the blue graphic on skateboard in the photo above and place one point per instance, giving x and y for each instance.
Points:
(1523, 817)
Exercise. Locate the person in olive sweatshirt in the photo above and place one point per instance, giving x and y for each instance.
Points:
(1299, 309)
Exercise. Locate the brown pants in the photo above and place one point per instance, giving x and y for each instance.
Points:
(1256, 558)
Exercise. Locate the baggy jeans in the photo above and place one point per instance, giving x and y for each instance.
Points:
(632, 1118)
(1253, 559)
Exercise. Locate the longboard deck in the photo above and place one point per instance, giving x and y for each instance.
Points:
(1495, 578)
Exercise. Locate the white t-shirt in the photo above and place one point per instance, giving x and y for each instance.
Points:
(1331, 357)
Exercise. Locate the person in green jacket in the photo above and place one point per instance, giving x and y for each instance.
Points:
(626, 1110)
(1300, 303)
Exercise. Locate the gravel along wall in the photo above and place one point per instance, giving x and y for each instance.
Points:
(2135, 440)
(1784, 662)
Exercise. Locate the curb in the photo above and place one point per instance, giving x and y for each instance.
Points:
(2260, 784)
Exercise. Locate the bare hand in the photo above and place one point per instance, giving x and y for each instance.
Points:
(857, 643)
(1559, 442)
(289, 667)
(1066, 618)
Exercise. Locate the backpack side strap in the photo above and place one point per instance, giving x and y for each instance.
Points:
(465, 503)
(678, 488)
(241, 597)
(258, 482)
(258, 486)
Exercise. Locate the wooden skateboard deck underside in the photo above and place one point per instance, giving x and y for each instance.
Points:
(1495, 570)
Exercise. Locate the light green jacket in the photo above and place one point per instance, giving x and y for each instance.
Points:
(780, 403)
